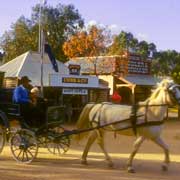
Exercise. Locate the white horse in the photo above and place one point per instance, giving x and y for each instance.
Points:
(149, 118)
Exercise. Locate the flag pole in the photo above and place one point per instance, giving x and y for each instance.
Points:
(39, 41)
(42, 59)
(41, 45)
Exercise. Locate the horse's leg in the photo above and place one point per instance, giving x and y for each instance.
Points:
(100, 141)
(90, 141)
(164, 146)
(137, 144)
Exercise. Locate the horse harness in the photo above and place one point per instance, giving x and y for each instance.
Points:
(133, 117)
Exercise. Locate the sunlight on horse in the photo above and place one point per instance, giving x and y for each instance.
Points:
(148, 116)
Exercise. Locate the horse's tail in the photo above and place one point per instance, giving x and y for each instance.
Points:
(83, 121)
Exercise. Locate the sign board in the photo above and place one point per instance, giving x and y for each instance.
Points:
(74, 69)
(75, 80)
(81, 81)
(138, 66)
(74, 91)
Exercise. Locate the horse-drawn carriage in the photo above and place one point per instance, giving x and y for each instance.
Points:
(147, 118)
(24, 140)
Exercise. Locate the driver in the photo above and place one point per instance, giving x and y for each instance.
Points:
(21, 96)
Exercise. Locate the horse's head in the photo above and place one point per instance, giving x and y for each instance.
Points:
(172, 91)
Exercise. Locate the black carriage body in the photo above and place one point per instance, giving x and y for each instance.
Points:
(25, 140)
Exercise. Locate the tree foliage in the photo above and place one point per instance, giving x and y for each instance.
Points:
(122, 42)
(21, 38)
(165, 62)
(58, 22)
(86, 43)
(126, 41)
(176, 74)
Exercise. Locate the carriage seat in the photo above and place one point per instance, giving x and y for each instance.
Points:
(11, 109)
(13, 112)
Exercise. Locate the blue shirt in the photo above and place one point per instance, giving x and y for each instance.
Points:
(20, 95)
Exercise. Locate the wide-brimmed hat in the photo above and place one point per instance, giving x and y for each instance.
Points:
(25, 79)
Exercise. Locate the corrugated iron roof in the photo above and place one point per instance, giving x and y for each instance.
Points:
(146, 80)
(29, 64)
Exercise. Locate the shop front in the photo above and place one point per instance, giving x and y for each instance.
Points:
(75, 91)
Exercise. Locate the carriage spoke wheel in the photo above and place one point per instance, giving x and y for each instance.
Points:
(24, 146)
(2, 138)
(58, 145)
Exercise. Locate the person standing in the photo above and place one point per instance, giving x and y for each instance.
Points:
(116, 98)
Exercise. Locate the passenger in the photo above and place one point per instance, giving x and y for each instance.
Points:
(38, 108)
(35, 95)
(21, 96)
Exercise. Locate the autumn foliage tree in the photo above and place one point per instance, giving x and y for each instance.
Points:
(89, 43)
(86, 43)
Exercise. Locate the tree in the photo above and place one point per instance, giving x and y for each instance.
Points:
(122, 42)
(22, 38)
(146, 50)
(176, 74)
(58, 23)
(86, 43)
(125, 41)
(89, 43)
(165, 62)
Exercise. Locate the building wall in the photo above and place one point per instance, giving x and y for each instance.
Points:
(98, 95)
(110, 80)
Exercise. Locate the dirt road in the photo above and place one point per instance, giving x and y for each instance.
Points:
(68, 167)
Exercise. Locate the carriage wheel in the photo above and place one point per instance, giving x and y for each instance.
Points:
(24, 146)
(57, 146)
(2, 138)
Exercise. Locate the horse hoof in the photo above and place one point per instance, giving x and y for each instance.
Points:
(130, 170)
(165, 167)
(84, 162)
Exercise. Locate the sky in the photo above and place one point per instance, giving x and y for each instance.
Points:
(156, 21)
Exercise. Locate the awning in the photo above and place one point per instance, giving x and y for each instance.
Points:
(146, 80)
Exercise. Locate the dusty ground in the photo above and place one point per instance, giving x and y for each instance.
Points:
(68, 167)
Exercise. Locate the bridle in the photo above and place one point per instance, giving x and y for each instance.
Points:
(173, 91)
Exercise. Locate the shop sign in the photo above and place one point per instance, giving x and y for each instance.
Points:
(137, 66)
(74, 91)
(75, 80)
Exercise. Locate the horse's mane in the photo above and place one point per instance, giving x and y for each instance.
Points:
(163, 85)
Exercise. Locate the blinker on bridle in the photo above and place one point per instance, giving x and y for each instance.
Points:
(172, 90)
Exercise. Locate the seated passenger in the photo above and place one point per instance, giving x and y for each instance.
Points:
(38, 108)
